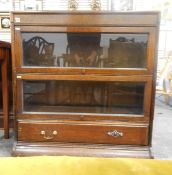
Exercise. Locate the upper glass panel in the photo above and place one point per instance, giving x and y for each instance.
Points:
(94, 50)
(83, 97)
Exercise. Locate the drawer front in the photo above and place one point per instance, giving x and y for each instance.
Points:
(82, 133)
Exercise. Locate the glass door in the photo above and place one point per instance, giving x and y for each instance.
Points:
(88, 50)
(83, 97)
(109, 51)
(101, 97)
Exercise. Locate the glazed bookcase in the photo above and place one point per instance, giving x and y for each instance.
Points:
(98, 103)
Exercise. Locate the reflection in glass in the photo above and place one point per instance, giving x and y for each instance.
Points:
(83, 97)
(38, 52)
(96, 50)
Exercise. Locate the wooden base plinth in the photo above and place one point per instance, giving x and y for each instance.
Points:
(54, 149)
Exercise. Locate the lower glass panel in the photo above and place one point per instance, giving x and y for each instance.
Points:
(83, 97)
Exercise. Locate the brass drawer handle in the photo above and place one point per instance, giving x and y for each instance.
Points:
(48, 137)
(115, 133)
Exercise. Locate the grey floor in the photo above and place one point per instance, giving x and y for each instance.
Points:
(162, 131)
(162, 134)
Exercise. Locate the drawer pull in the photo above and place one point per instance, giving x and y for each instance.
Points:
(48, 137)
(115, 133)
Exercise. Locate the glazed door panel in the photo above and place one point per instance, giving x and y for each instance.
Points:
(86, 50)
(113, 96)
(104, 50)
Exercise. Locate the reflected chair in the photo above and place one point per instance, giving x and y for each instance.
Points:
(125, 53)
(5, 54)
(38, 52)
(68, 59)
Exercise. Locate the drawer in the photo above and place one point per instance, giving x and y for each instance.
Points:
(83, 133)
